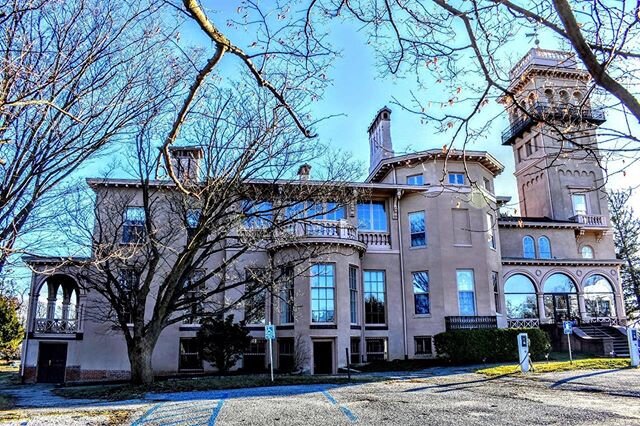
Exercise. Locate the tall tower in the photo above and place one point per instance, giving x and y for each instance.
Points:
(553, 134)
(380, 145)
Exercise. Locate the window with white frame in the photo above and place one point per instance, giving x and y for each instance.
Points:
(579, 202)
(192, 220)
(586, 252)
(415, 179)
(257, 214)
(456, 178)
(421, 293)
(491, 231)
(374, 297)
(466, 292)
(528, 247)
(372, 216)
(134, 225)
(353, 293)
(323, 292)
(544, 248)
(287, 296)
(417, 229)
(190, 354)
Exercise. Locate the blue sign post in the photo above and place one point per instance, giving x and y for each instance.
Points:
(567, 326)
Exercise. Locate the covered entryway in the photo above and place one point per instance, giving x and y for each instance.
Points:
(52, 362)
(322, 357)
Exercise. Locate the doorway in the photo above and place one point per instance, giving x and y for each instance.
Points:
(561, 307)
(322, 357)
(52, 362)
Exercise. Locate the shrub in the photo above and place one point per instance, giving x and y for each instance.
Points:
(223, 341)
(492, 345)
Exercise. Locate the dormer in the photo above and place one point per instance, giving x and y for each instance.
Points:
(186, 162)
(380, 145)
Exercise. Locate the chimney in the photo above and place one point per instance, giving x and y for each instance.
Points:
(380, 146)
(304, 171)
(185, 161)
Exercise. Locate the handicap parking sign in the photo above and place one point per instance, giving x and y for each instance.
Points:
(568, 327)
(270, 332)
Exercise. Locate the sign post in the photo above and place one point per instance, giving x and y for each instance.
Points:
(270, 335)
(568, 330)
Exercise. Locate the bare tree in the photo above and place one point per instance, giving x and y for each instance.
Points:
(74, 77)
(460, 53)
(626, 235)
(161, 256)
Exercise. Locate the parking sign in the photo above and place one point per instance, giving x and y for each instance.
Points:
(270, 332)
(568, 327)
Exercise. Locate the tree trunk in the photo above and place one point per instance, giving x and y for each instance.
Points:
(140, 359)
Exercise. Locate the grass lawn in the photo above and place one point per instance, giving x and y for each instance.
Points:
(127, 391)
(551, 366)
(8, 376)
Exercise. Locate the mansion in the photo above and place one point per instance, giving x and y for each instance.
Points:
(428, 251)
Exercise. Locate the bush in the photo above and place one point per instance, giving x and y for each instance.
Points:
(223, 341)
(492, 345)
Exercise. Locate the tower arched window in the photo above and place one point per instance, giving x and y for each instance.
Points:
(586, 252)
(528, 248)
(564, 97)
(544, 248)
(577, 98)
(548, 93)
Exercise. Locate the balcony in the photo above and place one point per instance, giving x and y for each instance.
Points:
(543, 58)
(470, 323)
(590, 220)
(329, 231)
(375, 240)
(542, 111)
(57, 326)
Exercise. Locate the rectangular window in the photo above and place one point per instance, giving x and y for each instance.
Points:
(322, 292)
(194, 297)
(286, 355)
(466, 292)
(417, 229)
(487, 185)
(253, 360)
(579, 202)
(423, 345)
(376, 349)
(415, 180)
(520, 155)
(133, 230)
(374, 297)
(456, 178)
(372, 216)
(255, 297)
(316, 211)
(496, 291)
(461, 227)
(353, 293)
(193, 220)
(491, 233)
(257, 214)
(421, 292)
(190, 354)
(287, 296)
(527, 147)
(129, 280)
(355, 350)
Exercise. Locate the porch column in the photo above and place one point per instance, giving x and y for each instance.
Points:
(541, 314)
(582, 306)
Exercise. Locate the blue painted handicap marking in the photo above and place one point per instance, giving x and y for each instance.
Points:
(181, 413)
(348, 413)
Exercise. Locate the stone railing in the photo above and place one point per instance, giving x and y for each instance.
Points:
(470, 323)
(606, 321)
(523, 323)
(324, 228)
(590, 219)
(375, 240)
(57, 326)
(548, 58)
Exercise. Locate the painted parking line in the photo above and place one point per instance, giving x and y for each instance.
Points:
(348, 413)
(168, 414)
(216, 411)
(149, 412)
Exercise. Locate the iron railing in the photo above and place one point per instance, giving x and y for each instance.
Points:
(470, 322)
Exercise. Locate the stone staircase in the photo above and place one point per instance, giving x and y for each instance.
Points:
(600, 331)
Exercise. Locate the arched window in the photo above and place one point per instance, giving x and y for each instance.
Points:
(564, 97)
(544, 248)
(548, 93)
(599, 299)
(577, 98)
(520, 297)
(528, 248)
(586, 252)
(560, 298)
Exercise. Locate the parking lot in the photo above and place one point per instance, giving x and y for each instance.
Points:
(570, 398)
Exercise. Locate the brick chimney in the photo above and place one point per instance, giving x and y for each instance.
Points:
(380, 145)
(304, 172)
